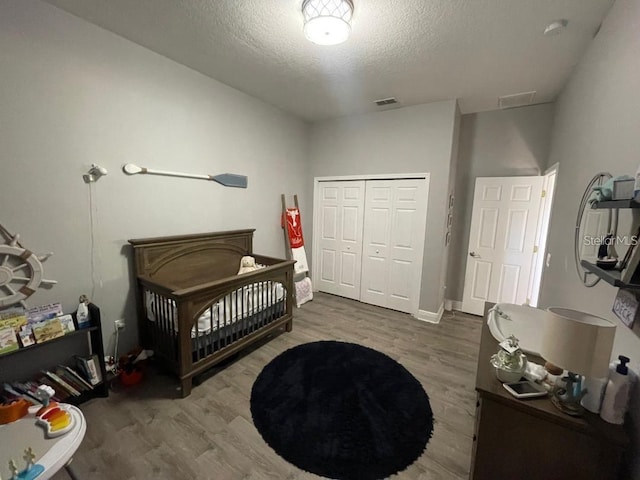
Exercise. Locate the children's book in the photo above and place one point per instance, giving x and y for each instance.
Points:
(77, 376)
(26, 392)
(67, 323)
(12, 312)
(33, 388)
(8, 340)
(90, 367)
(26, 336)
(44, 312)
(61, 382)
(47, 330)
(66, 376)
(15, 321)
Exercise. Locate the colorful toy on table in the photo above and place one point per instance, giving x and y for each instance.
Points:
(30, 472)
(13, 410)
(53, 417)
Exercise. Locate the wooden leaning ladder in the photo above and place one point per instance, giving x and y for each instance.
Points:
(297, 276)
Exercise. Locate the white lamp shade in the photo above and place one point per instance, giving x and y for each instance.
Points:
(327, 22)
(577, 341)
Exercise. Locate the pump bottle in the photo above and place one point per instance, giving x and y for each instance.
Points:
(616, 395)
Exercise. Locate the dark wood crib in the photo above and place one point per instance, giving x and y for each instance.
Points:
(194, 310)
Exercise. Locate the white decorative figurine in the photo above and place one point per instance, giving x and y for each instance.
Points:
(29, 457)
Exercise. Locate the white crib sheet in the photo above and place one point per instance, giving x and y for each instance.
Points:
(235, 306)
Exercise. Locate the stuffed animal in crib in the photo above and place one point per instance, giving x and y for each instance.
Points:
(247, 264)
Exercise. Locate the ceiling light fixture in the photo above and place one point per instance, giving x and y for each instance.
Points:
(327, 22)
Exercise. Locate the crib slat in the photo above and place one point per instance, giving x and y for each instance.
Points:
(162, 322)
(245, 299)
(235, 319)
(170, 319)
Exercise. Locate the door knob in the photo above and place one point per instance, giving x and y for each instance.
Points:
(377, 251)
(474, 255)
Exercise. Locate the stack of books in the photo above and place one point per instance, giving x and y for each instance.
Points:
(66, 381)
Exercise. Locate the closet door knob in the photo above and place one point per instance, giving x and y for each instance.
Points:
(377, 251)
(474, 255)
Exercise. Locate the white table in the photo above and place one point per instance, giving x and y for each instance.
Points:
(52, 453)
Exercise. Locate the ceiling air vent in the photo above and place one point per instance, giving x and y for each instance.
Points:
(516, 100)
(386, 101)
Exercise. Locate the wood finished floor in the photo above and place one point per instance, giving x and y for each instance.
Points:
(146, 432)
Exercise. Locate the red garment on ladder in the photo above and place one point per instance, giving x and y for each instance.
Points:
(294, 227)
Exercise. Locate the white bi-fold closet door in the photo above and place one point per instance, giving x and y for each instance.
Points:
(339, 239)
(370, 238)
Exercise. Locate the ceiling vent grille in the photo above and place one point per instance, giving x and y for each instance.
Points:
(516, 100)
(386, 101)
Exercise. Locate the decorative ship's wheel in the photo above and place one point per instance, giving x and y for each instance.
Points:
(20, 273)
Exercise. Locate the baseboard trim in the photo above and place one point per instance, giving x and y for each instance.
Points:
(431, 317)
(456, 305)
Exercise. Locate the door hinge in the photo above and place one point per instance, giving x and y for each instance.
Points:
(543, 193)
(535, 249)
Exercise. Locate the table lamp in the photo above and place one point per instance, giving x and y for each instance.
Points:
(580, 343)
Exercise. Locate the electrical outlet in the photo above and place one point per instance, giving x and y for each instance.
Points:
(119, 324)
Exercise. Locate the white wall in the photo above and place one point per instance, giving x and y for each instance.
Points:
(405, 140)
(597, 127)
(502, 143)
(72, 94)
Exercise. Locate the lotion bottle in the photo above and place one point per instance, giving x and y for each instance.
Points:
(616, 395)
(82, 315)
(592, 400)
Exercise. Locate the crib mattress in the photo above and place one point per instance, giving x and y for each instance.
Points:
(205, 345)
(244, 303)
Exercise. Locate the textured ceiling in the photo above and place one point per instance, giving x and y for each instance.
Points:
(419, 51)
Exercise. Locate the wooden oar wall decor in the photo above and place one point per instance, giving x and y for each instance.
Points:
(226, 179)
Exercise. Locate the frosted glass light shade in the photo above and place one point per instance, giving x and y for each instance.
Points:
(577, 341)
(327, 22)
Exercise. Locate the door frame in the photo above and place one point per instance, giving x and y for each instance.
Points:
(315, 254)
(542, 236)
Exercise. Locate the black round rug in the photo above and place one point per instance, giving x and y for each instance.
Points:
(342, 411)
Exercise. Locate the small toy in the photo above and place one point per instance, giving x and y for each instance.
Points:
(29, 457)
(55, 419)
(247, 264)
(13, 469)
(44, 394)
(14, 411)
(31, 470)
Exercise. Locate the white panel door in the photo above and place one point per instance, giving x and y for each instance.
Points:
(501, 241)
(341, 210)
(394, 227)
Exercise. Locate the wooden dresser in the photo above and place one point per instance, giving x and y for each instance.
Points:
(530, 439)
